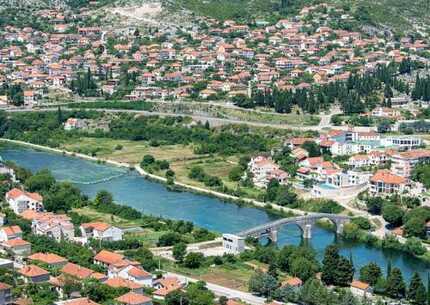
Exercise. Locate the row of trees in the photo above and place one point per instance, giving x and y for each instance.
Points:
(356, 95)
(335, 270)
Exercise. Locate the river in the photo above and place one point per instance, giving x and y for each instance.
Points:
(153, 198)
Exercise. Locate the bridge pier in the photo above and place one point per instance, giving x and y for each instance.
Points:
(339, 227)
(307, 232)
(273, 236)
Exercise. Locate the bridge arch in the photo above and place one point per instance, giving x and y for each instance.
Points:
(305, 223)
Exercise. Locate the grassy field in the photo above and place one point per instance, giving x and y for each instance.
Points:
(235, 276)
(131, 151)
(148, 237)
(108, 218)
(214, 166)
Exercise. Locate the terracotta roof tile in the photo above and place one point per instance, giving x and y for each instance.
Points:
(132, 298)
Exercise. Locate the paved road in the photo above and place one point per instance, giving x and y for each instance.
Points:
(203, 118)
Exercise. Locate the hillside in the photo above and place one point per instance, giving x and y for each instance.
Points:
(398, 16)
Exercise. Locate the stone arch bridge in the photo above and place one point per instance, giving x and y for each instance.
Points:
(306, 222)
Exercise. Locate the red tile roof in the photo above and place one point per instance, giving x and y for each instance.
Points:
(387, 177)
(48, 258)
(32, 271)
(132, 298)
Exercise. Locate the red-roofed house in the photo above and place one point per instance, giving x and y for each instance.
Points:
(34, 274)
(81, 273)
(50, 259)
(385, 182)
(8, 233)
(166, 285)
(5, 294)
(101, 231)
(119, 282)
(132, 298)
(17, 247)
(360, 288)
(80, 301)
(19, 201)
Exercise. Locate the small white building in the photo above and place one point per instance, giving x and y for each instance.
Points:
(19, 201)
(233, 244)
(101, 231)
(73, 123)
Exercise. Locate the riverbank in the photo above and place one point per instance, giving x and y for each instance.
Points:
(271, 208)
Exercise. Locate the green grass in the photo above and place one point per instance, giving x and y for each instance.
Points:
(235, 276)
(131, 151)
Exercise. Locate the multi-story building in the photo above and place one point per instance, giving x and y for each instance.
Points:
(19, 201)
(404, 162)
(383, 182)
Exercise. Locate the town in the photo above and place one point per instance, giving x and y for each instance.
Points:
(207, 161)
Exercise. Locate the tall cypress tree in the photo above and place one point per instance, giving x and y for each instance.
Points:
(417, 291)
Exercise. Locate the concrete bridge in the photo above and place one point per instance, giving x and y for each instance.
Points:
(270, 230)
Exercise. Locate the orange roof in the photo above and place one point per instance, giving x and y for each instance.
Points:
(233, 302)
(415, 154)
(99, 226)
(108, 257)
(4, 286)
(293, 282)
(48, 258)
(168, 284)
(138, 272)
(360, 285)
(300, 141)
(77, 271)
(387, 177)
(15, 193)
(12, 230)
(80, 301)
(134, 299)
(32, 271)
(16, 242)
(117, 282)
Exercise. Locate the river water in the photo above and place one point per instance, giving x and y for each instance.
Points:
(153, 198)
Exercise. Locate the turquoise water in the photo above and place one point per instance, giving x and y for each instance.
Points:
(153, 198)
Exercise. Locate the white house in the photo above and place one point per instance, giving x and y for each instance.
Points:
(73, 123)
(19, 201)
(101, 231)
(55, 226)
(8, 233)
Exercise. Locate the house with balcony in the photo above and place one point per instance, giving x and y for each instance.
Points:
(383, 182)
(20, 200)
(101, 231)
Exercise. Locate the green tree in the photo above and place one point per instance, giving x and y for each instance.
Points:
(395, 286)
(312, 148)
(41, 181)
(337, 270)
(417, 292)
(179, 251)
(393, 214)
(262, 283)
(198, 294)
(147, 160)
(370, 273)
(194, 260)
(176, 297)
(235, 173)
(103, 197)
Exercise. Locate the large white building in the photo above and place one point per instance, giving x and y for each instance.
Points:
(403, 163)
(19, 201)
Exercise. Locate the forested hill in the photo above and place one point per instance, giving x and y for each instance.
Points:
(395, 15)
(401, 15)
